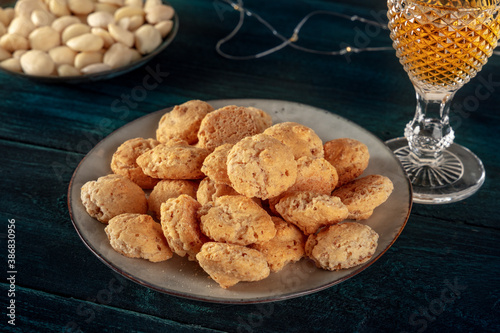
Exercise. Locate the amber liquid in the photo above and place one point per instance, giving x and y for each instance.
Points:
(442, 47)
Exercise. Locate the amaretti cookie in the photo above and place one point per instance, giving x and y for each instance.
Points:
(124, 162)
(183, 122)
(284, 248)
(342, 246)
(170, 188)
(301, 139)
(363, 195)
(181, 227)
(112, 195)
(349, 156)
(215, 164)
(261, 166)
(173, 162)
(208, 191)
(228, 264)
(138, 236)
(309, 211)
(262, 118)
(237, 220)
(229, 124)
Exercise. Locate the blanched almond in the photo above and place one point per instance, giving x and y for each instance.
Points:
(104, 34)
(81, 6)
(67, 70)
(63, 22)
(59, 8)
(42, 18)
(96, 68)
(127, 12)
(105, 7)
(147, 39)
(44, 38)
(121, 35)
(100, 19)
(12, 64)
(74, 30)
(13, 42)
(86, 42)
(84, 59)
(21, 26)
(164, 27)
(159, 13)
(4, 54)
(118, 55)
(62, 55)
(36, 62)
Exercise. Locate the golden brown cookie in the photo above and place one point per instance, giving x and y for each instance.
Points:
(301, 139)
(363, 195)
(183, 122)
(228, 264)
(138, 236)
(124, 162)
(349, 156)
(286, 247)
(236, 219)
(310, 211)
(173, 162)
(314, 174)
(229, 124)
(262, 118)
(170, 188)
(342, 246)
(209, 190)
(215, 165)
(112, 195)
(261, 166)
(179, 221)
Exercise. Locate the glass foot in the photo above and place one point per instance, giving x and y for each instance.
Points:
(459, 174)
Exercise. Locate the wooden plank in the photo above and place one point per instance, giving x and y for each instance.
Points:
(38, 311)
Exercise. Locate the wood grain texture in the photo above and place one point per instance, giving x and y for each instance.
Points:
(441, 275)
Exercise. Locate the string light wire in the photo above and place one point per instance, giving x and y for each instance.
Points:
(291, 41)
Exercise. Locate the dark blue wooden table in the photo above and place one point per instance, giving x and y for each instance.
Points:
(441, 275)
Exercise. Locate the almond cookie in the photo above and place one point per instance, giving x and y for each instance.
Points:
(363, 195)
(183, 122)
(236, 219)
(228, 264)
(170, 188)
(209, 190)
(314, 174)
(173, 162)
(138, 236)
(112, 195)
(261, 166)
(179, 221)
(124, 162)
(309, 211)
(302, 139)
(262, 118)
(349, 156)
(286, 247)
(342, 246)
(229, 124)
(215, 165)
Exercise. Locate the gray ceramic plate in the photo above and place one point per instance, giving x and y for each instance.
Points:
(180, 277)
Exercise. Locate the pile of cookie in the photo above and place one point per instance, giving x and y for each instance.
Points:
(242, 197)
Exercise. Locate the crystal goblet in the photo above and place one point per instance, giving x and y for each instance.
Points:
(441, 44)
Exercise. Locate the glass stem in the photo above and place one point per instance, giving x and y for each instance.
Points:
(430, 133)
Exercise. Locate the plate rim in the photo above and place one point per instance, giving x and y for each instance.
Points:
(218, 300)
